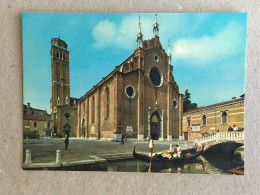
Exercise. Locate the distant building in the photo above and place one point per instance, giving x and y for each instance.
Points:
(139, 98)
(213, 118)
(28, 110)
(36, 120)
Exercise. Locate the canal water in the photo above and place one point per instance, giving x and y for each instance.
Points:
(202, 165)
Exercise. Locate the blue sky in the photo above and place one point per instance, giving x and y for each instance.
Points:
(208, 51)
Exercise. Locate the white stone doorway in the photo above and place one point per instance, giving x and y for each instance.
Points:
(155, 126)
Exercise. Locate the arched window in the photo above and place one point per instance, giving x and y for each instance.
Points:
(224, 116)
(188, 121)
(58, 101)
(107, 102)
(93, 110)
(63, 72)
(83, 108)
(83, 122)
(57, 54)
(204, 120)
(35, 124)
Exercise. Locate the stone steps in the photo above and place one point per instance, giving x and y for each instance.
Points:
(194, 136)
(122, 156)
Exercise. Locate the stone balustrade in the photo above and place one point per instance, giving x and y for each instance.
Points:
(239, 135)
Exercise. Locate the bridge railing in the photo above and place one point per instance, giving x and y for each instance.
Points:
(207, 138)
(239, 135)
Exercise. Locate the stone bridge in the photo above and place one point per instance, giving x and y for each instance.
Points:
(221, 143)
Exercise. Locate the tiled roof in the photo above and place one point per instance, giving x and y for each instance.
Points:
(104, 79)
(25, 106)
(31, 117)
(214, 105)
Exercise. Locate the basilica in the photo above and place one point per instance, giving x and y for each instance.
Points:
(139, 98)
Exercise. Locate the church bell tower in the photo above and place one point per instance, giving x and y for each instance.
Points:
(60, 83)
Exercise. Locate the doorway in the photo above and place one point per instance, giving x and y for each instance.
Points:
(186, 135)
(155, 125)
(67, 130)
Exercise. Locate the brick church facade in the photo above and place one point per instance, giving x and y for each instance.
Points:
(139, 98)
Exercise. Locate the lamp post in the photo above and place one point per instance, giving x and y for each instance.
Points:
(67, 129)
(148, 119)
(54, 120)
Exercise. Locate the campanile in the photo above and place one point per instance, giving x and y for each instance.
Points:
(60, 101)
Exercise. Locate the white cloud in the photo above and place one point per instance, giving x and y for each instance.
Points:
(225, 43)
(107, 33)
(104, 33)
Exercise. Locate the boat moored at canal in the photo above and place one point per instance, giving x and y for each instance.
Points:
(158, 159)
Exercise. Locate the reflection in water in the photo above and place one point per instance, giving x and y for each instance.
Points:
(150, 168)
(199, 166)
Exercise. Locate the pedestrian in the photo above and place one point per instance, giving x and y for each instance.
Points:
(66, 142)
(151, 147)
(230, 128)
(235, 128)
(122, 139)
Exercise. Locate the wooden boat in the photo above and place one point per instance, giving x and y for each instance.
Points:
(159, 160)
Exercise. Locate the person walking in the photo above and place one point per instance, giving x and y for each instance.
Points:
(66, 142)
(151, 148)
(122, 139)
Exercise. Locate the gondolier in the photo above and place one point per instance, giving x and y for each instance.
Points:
(178, 150)
(151, 147)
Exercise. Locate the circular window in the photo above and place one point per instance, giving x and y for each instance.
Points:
(129, 91)
(67, 115)
(156, 58)
(156, 76)
(174, 103)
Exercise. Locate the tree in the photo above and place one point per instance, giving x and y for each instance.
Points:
(187, 105)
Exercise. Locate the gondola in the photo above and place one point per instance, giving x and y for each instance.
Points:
(159, 160)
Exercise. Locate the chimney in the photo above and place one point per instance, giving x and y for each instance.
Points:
(28, 109)
(234, 98)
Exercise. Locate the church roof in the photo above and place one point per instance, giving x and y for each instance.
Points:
(104, 79)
